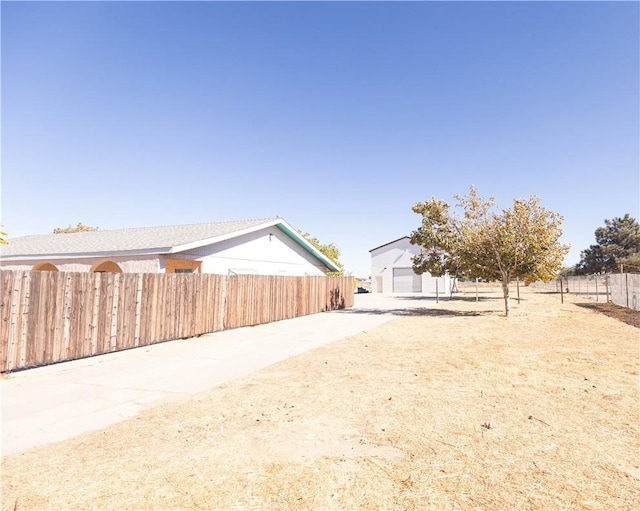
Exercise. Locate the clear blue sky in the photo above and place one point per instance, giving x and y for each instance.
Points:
(337, 117)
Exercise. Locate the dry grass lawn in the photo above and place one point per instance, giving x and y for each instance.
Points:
(454, 407)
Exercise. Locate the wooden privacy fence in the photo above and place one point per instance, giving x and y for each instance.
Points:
(48, 317)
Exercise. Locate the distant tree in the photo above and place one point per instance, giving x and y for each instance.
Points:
(78, 228)
(330, 250)
(631, 264)
(520, 242)
(617, 243)
(3, 239)
(567, 271)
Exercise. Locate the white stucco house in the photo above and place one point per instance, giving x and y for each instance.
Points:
(392, 270)
(263, 247)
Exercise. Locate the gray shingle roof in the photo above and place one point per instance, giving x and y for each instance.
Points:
(142, 239)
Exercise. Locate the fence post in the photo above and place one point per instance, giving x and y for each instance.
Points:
(561, 291)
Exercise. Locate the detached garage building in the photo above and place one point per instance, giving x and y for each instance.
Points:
(392, 270)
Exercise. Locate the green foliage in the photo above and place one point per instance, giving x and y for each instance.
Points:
(78, 228)
(330, 250)
(617, 243)
(520, 242)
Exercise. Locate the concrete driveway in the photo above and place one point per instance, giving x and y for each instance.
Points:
(53, 403)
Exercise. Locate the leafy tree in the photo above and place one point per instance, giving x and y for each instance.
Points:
(618, 242)
(330, 250)
(519, 242)
(78, 228)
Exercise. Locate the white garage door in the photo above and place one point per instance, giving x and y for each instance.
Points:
(405, 281)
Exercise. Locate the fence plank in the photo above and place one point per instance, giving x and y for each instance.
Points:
(217, 292)
(104, 313)
(42, 328)
(130, 302)
(14, 316)
(25, 307)
(75, 311)
(5, 313)
(86, 327)
(33, 321)
(59, 321)
(95, 311)
(66, 317)
(5, 295)
(113, 339)
(138, 310)
(54, 315)
(153, 311)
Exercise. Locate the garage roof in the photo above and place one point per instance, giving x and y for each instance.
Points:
(390, 243)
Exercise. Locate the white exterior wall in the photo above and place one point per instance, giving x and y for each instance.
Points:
(255, 253)
(129, 264)
(398, 254)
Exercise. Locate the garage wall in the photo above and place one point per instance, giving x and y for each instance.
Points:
(392, 270)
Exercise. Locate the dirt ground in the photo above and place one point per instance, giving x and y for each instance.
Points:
(451, 407)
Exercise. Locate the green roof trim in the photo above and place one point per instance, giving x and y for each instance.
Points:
(302, 241)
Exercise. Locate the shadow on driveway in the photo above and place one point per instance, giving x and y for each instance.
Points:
(447, 298)
(419, 311)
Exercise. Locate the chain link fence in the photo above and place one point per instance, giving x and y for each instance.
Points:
(619, 288)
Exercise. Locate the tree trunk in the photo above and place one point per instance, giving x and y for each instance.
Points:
(505, 291)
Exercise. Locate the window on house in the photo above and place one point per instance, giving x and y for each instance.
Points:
(106, 267)
(182, 266)
(44, 267)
